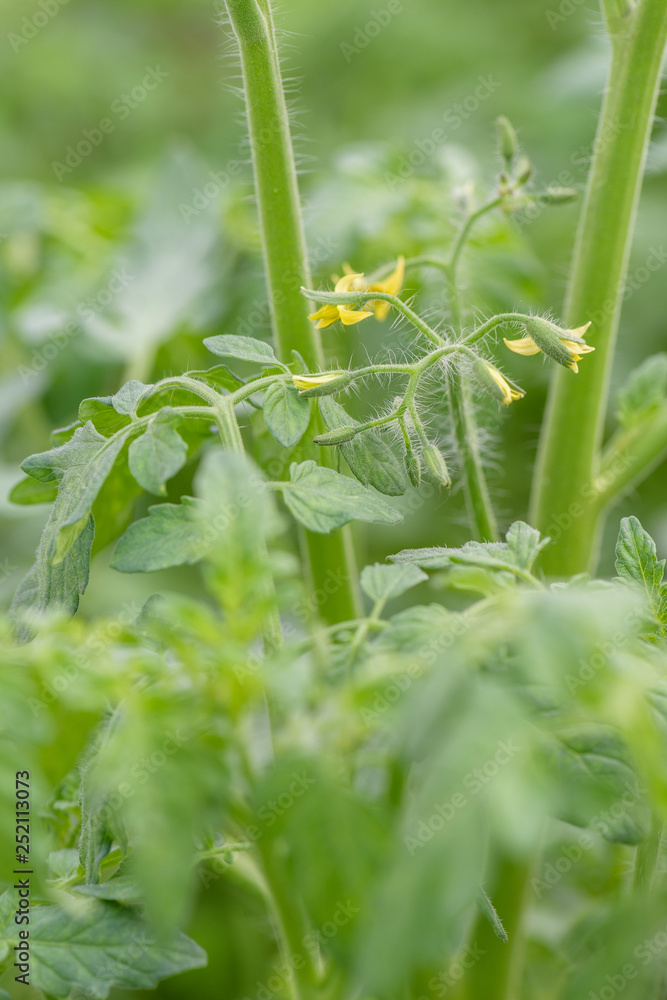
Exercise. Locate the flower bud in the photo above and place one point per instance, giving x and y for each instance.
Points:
(494, 382)
(557, 196)
(412, 465)
(324, 384)
(524, 170)
(436, 465)
(548, 337)
(508, 145)
(339, 435)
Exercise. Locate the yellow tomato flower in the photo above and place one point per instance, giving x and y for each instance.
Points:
(508, 393)
(575, 347)
(391, 285)
(348, 315)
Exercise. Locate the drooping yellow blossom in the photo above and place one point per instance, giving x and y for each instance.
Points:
(508, 393)
(575, 347)
(391, 285)
(348, 315)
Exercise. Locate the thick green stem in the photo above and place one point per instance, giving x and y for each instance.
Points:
(497, 974)
(646, 859)
(571, 437)
(285, 257)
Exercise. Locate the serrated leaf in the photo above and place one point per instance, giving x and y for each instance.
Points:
(369, 457)
(323, 500)
(637, 563)
(595, 769)
(381, 582)
(524, 544)
(286, 413)
(410, 630)
(219, 376)
(120, 888)
(516, 555)
(645, 389)
(100, 946)
(243, 349)
(29, 491)
(159, 453)
(47, 586)
(171, 535)
(110, 413)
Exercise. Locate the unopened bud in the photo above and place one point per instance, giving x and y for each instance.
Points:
(508, 144)
(436, 465)
(324, 384)
(524, 170)
(339, 435)
(548, 337)
(413, 466)
(557, 196)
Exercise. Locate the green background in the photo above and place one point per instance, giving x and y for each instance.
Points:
(370, 88)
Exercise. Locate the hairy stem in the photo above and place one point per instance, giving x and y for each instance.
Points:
(569, 450)
(285, 258)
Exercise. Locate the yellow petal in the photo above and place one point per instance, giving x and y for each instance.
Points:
(510, 394)
(347, 283)
(326, 316)
(392, 284)
(526, 345)
(575, 348)
(580, 331)
(349, 317)
(381, 309)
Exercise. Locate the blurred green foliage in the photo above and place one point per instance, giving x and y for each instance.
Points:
(121, 265)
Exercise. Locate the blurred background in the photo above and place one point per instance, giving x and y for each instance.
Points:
(128, 230)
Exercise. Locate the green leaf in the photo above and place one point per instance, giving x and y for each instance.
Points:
(110, 413)
(121, 889)
(99, 945)
(644, 391)
(323, 500)
(47, 586)
(515, 555)
(30, 491)
(171, 535)
(369, 457)
(243, 349)
(600, 784)
(219, 376)
(381, 582)
(637, 564)
(159, 453)
(488, 909)
(287, 415)
(524, 544)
